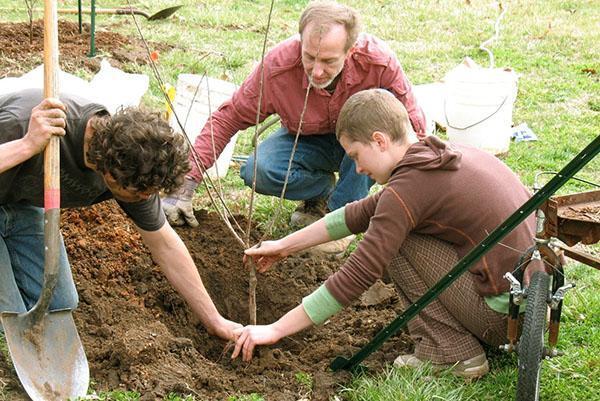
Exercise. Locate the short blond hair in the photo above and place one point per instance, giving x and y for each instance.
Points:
(324, 14)
(372, 110)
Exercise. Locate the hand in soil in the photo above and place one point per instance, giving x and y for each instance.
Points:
(266, 254)
(226, 329)
(250, 336)
(47, 119)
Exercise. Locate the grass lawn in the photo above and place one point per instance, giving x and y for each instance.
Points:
(554, 47)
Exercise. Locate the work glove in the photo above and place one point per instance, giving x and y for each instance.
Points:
(178, 205)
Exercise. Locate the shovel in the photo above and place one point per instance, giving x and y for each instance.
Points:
(45, 347)
(162, 14)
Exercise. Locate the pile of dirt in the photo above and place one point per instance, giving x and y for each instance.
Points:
(139, 334)
(18, 55)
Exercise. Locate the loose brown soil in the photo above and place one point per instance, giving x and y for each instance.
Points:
(18, 55)
(138, 333)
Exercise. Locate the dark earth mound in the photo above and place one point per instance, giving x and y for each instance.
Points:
(18, 55)
(139, 335)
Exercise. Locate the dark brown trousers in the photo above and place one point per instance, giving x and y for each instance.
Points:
(450, 328)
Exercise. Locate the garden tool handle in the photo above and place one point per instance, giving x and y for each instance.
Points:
(51, 166)
(113, 11)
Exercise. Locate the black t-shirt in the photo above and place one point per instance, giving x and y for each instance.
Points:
(79, 185)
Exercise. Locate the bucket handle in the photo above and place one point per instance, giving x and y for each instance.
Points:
(474, 124)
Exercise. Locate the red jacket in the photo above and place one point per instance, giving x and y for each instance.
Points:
(370, 64)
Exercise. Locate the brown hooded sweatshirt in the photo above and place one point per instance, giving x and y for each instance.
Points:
(454, 193)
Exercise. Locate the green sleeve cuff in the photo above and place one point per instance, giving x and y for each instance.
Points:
(335, 222)
(320, 305)
(499, 303)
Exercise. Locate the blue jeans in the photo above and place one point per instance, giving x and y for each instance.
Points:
(317, 157)
(22, 262)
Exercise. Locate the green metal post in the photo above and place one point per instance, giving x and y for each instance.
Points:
(476, 253)
(92, 52)
(79, 16)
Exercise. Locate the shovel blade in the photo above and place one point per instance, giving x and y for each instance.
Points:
(162, 14)
(48, 356)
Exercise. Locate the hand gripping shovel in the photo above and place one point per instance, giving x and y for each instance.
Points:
(45, 347)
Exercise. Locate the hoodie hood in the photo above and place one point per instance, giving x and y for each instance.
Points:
(431, 153)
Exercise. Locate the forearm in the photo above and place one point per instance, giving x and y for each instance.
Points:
(292, 322)
(208, 146)
(14, 153)
(222, 125)
(307, 237)
(170, 253)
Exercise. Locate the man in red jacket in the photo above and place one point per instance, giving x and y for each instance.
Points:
(327, 62)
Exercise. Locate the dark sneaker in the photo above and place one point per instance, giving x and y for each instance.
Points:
(473, 368)
(308, 212)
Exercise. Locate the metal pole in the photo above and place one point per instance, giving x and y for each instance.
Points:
(92, 52)
(79, 15)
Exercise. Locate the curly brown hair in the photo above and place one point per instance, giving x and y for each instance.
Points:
(139, 149)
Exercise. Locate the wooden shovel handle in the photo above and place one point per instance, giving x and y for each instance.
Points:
(117, 11)
(51, 166)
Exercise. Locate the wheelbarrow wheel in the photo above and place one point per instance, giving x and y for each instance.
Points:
(531, 344)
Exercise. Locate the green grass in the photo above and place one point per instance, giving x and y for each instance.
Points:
(552, 44)
(568, 377)
(407, 385)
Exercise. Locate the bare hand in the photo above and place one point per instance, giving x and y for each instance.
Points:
(250, 336)
(225, 329)
(47, 119)
(266, 254)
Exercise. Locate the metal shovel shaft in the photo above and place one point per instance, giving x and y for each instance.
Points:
(111, 11)
(162, 14)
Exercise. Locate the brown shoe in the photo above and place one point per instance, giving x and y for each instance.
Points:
(308, 212)
(472, 368)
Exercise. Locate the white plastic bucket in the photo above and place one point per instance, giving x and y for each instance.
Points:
(193, 90)
(478, 107)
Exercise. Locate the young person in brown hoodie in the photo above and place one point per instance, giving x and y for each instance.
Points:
(439, 202)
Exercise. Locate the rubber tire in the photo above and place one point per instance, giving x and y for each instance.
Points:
(531, 344)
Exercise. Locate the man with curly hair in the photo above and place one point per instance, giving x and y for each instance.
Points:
(129, 156)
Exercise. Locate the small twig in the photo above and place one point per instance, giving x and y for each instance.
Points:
(252, 274)
(266, 125)
(230, 344)
(291, 159)
(195, 156)
(252, 281)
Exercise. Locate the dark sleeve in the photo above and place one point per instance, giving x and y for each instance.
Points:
(358, 213)
(147, 215)
(389, 225)
(11, 128)
(234, 115)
